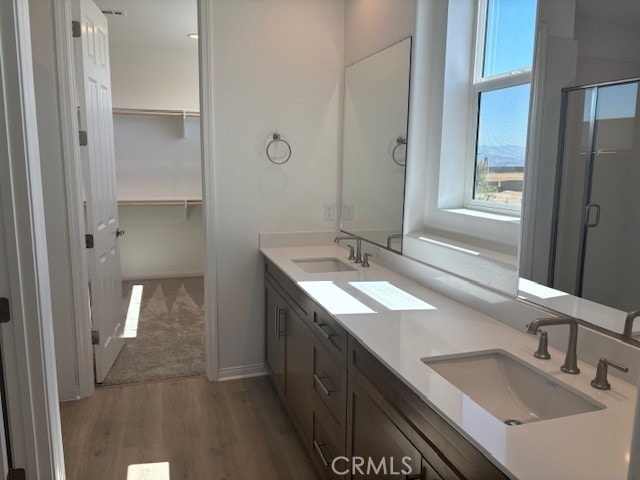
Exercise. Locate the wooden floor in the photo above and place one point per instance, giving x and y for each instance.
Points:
(204, 430)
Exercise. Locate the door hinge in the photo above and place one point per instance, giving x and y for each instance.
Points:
(17, 474)
(5, 310)
(95, 337)
(76, 29)
(88, 240)
(82, 136)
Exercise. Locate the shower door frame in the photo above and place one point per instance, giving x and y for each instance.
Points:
(579, 276)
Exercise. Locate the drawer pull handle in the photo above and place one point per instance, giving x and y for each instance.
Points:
(324, 388)
(318, 449)
(280, 312)
(324, 334)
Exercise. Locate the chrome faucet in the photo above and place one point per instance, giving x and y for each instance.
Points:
(571, 360)
(390, 239)
(358, 246)
(628, 323)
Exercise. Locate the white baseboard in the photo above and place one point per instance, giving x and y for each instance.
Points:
(242, 371)
(161, 275)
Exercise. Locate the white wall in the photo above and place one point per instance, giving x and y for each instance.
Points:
(371, 25)
(161, 242)
(607, 50)
(54, 197)
(554, 69)
(154, 161)
(277, 66)
(149, 77)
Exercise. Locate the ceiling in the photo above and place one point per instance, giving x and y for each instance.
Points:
(622, 12)
(163, 23)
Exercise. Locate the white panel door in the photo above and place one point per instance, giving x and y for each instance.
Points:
(94, 96)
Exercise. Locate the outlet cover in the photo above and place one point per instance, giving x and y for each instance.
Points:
(348, 211)
(329, 212)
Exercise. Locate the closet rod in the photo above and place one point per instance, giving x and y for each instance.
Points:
(168, 113)
(158, 203)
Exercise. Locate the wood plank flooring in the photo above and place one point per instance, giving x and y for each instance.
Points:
(206, 430)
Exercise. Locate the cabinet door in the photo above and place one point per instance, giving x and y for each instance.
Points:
(274, 336)
(375, 446)
(428, 472)
(299, 371)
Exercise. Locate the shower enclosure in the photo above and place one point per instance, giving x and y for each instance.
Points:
(595, 243)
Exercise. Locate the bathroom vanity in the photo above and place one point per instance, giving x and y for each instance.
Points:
(367, 363)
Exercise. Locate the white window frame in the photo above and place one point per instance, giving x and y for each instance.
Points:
(479, 85)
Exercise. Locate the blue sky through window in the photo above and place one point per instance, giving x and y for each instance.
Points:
(503, 120)
(509, 36)
(502, 126)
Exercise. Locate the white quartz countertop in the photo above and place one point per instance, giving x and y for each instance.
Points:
(593, 445)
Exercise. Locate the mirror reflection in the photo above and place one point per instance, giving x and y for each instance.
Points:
(376, 110)
(587, 264)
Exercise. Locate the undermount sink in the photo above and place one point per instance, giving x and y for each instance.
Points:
(323, 265)
(509, 388)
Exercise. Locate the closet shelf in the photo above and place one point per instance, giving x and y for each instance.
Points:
(159, 203)
(166, 113)
(188, 206)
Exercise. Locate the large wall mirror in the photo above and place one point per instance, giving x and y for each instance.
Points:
(581, 236)
(376, 110)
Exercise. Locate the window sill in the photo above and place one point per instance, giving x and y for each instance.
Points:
(495, 269)
(465, 248)
(500, 217)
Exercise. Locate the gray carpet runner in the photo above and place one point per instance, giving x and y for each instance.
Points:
(170, 334)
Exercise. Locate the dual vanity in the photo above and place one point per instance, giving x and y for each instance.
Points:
(384, 378)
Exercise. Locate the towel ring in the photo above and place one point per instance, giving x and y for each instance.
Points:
(277, 138)
(399, 141)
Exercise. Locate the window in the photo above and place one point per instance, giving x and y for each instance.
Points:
(500, 94)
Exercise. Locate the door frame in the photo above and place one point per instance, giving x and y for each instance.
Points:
(27, 340)
(74, 190)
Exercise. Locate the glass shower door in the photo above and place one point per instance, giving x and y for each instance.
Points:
(612, 210)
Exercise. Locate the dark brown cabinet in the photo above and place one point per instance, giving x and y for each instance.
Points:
(376, 447)
(330, 388)
(328, 450)
(274, 335)
(298, 371)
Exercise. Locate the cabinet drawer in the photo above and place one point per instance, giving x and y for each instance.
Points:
(299, 298)
(329, 331)
(330, 386)
(325, 447)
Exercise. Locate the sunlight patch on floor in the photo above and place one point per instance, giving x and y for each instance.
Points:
(133, 313)
(148, 471)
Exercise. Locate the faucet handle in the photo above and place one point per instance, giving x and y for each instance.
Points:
(365, 259)
(351, 253)
(543, 347)
(601, 382)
